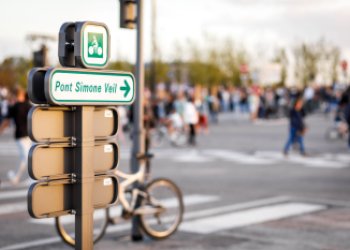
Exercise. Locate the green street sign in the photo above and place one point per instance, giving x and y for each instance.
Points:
(94, 40)
(71, 86)
(84, 44)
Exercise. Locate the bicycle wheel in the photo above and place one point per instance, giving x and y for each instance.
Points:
(157, 138)
(163, 194)
(65, 226)
(179, 139)
(332, 134)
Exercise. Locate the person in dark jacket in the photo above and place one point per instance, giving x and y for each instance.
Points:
(18, 113)
(297, 127)
(347, 117)
(344, 105)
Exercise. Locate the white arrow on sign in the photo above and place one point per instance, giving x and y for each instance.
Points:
(87, 87)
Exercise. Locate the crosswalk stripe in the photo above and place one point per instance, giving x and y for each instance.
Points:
(236, 207)
(35, 243)
(306, 161)
(338, 157)
(8, 195)
(189, 200)
(187, 216)
(192, 156)
(248, 217)
(326, 160)
(238, 157)
(13, 208)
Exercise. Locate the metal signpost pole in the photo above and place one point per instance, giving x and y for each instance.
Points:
(84, 222)
(138, 110)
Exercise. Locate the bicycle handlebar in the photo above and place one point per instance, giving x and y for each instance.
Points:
(145, 156)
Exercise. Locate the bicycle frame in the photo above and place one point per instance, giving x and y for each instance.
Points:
(130, 179)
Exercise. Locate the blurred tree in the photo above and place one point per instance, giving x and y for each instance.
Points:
(196, 66)
(232, 59)
(160, 75)
(329, 60)
(334, 55)
(13, 71)
(282, 59)
(214, 73)
(306, 58)
(216, 64)
(178, 65)
(320, 58)
(162, 71)
(122, 66)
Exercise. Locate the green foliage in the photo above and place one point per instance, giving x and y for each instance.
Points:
(216, 64)
(13, 71)
(121, 66)
(281, 58)
(232, 59)
(157, 72)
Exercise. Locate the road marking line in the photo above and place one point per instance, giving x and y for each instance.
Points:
(35, 243)
(189, 200)
(8, 153)
(13, 208)
(238, 157)
(25, 183)
(13, 194)
(342, 157)
(189, 215)
(236, 207)
(318, 162)
(192, 156)
(248, 217)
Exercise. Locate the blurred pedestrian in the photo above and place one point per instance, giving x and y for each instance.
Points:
(345, 105)
(309, 94)
(254, 102)
(191, 119)
(203, 117)
(347, 117)
(297, 127)
(4, 104)
(18, 113)
(214, 106)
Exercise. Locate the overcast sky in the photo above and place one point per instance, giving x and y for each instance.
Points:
(259, 25)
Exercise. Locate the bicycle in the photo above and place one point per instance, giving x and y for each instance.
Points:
(160, 134)
(339, 130)
(154, 212)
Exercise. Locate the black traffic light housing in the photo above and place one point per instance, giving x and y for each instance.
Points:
(128, 14)
(40, 57)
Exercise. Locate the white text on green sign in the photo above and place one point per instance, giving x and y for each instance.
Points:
(87, 87)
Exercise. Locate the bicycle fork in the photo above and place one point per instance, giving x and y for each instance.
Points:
(149, 208)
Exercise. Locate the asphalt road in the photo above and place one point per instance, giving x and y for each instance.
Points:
(240, 193)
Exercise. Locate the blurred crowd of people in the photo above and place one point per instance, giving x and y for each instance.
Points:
(193, 108)
(180, 112)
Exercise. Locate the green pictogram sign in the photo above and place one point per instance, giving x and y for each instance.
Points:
(95, 45)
